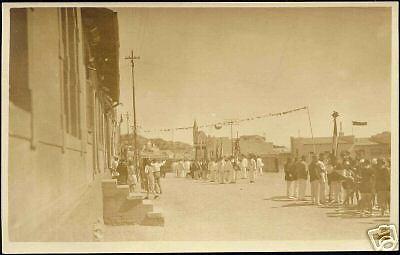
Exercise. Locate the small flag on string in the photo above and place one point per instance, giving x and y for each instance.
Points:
(359, 123)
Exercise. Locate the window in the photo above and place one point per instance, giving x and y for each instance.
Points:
(19, 87)
(69, 36)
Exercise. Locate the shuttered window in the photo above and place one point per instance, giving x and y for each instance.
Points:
(19, 87)
(70, 71)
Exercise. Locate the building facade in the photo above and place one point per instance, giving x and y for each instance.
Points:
(209, 147)
(64, 82)
(377, 146)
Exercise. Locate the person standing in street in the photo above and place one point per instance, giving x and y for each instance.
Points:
(236, 168)
(302, 174)
(114, 164)
(148, 169)
(252, 169)
(122, 170)
(142, 175)
(132, 179)
(314, 172)
(181, 169)
(382, 185)
(221, 171)
(174, 167)
(228, 170)
(336, 181)
(260, 166)
(186, 167)
(323, 179)
(290, 178)
(212, 167)
(244, 166)
(374, 196)
(204, 170)
(196, 169)
(156, 167)
(366, 187)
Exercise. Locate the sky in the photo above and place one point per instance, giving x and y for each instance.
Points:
(213, 64)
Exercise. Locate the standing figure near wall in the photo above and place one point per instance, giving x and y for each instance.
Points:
(122, 170)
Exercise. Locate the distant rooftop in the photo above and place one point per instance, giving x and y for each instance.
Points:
(324, 140)
(364, 141)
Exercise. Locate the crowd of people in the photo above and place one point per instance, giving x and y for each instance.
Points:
(337, 181)
(341, 181)
(223, 170)
(147, 177)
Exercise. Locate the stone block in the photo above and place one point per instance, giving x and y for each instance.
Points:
(122, 208)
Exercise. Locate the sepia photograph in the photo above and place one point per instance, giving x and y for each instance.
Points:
(186, 127)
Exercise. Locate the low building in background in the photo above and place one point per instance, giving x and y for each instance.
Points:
(210, 147)
(377, 146)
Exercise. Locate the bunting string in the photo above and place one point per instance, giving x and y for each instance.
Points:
(218, 125)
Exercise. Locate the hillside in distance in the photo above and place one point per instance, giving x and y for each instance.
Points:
(160, 143)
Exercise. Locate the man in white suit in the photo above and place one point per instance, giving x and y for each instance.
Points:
(243, 167)
(260, 166)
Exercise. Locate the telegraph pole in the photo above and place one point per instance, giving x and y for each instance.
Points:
(231, 122)
(132, 59)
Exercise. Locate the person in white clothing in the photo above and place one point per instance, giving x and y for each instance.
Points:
(221, 171)
(260, 166)
(252, 169)
(186, 167)
(175, 169)
(156, 165)
(228, 170)
(243, 167)
(148, 169)
(213, 169)
(323, 180)
(181, 169)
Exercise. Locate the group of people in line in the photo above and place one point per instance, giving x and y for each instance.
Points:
(148, 175)
(345, 181)
(223, 170)
(333, 180)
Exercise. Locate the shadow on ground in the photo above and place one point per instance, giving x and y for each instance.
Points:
(282, 199)
(298, 203)
(349, 213)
